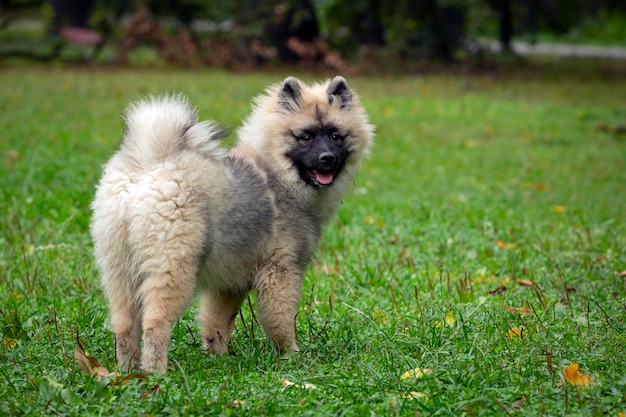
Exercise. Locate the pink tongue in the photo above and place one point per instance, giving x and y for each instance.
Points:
(323, 177)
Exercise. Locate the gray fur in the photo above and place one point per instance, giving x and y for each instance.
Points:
(290, 95)
(338, 89)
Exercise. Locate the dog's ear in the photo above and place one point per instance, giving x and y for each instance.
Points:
(290, 94)
(338, 90)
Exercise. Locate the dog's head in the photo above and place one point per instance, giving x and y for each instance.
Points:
(319, 148)
(312, 134)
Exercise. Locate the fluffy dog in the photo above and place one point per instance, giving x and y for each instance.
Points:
(175, 213)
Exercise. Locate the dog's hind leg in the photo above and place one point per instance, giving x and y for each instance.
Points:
(216, 315)
(168, 234)
(126, 321)
(119, 286)
(165, 296)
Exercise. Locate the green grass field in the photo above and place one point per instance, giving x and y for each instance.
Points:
(491, 207)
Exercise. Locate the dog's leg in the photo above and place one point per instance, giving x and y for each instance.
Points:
(216, 315)
(164, 297)
(278, 296)
(126, 321)
(125, 310)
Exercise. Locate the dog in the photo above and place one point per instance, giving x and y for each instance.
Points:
(175, 213)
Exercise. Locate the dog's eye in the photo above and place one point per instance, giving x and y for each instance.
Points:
(305, 137)
(336, 136)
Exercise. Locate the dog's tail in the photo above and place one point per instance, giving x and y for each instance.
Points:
(159, 127)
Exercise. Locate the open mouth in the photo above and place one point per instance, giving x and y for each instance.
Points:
(321, 177)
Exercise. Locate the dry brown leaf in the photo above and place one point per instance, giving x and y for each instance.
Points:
(83, 362)
(519, 403)
(120, 380)
(101, 372)
(499, 291)
(155, 389)
(525, 282)
(90, 364)
(520, 310)
(9, 343)
(505, 246)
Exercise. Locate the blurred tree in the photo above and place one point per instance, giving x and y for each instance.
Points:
(302, 30)
(292, 22)
(504, 12)
(427, 28)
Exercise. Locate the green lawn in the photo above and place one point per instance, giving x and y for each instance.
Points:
(488, 203)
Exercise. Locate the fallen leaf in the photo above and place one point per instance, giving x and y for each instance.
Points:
(9, 343)
(505, 246)
(288, 383)
(238, 403)
(576, 376)
(101, 372)
(525, 282)
(415, 373)
(519, 403)
(450, 320)
(83, 362)
(120, 380)
(498, 291)
(520, 310)
(90, 364)
(623, 273)
(558, 209)
(481, 278)
(515, 332)
(155, 389)
(379, 316)
(415, 395)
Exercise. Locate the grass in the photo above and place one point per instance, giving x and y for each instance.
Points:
(489, 203)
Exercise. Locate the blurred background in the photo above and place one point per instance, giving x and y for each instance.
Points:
(362, 36)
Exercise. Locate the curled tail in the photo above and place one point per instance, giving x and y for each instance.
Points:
(159, 127)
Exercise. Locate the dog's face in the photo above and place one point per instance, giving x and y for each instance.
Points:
(310, 134)
(320, 139)
(319, 154)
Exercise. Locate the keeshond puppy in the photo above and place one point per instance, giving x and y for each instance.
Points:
(175, 213)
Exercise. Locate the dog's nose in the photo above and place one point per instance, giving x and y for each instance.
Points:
(327, 159)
